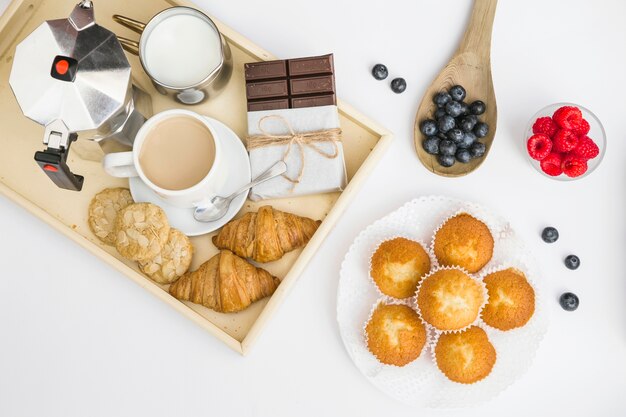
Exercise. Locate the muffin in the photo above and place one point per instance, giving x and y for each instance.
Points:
(395, 334)
(449, 299)
(511, 301)
(464, 241)
(465, 357)
(398, 265)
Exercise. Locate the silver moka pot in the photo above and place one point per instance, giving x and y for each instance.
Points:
(71, 75)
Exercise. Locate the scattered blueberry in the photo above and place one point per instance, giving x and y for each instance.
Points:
(446, 160)
(569, 301)
(457, 93)
(441, 99)
(481, 129)
(468, 140)
(447, 147)
(550, 235)
(463, 156)
(572, 262)
(454, 108)
(380, 72)
(468, 123)
(456, 135)
(477, 107)
(431, 145)
(445, 123)
(398, 85)
(428, 127)
(478, 149)
(439, 113)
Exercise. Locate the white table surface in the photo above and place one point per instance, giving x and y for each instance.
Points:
(79, 339)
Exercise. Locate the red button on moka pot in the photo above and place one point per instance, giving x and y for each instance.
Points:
(64, 68)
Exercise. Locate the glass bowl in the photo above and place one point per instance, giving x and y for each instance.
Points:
(596, 132)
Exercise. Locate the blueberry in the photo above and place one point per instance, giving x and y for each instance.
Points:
(454, 108)
(441, 99)
(442, 135)
(398, 85)
(431, 145)
(380, 72)
(428, 127)
(477, 107)
(481, 129)
(468, 140)
(447, 147)
(440, 113)
(569, 301)
(468, 123)
(457, 93)
(446, 160)
(464, 109)
(550, 235)
(445, 123)
(478, 149)
(463, 156)
(572, 262)
(456, 135)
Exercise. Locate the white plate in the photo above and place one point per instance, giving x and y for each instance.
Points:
(420, 383)
(182, 219)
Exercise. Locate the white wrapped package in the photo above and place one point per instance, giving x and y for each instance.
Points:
(319, 172)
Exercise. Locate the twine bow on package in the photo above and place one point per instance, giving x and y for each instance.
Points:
(293, 117)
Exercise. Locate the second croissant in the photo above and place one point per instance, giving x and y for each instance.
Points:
(267, 235)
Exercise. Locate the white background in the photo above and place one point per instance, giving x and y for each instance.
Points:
(79, 339)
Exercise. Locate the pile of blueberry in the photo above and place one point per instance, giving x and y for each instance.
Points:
(453, 134)
(569, 301)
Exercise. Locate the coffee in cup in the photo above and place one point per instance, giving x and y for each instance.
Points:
(177, 154)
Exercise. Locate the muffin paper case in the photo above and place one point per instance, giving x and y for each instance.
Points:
(406, 235)
(425, 353)
(539, 299)
(420, 383)
(448, 268)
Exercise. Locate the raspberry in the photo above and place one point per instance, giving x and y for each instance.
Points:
(574, 166)
(567, 117)
(564, 140)
(539, 146)
(581, 128)
(546, 126)
(586, 148)
(551, 164)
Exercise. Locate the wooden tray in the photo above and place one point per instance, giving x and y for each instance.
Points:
(23, 182)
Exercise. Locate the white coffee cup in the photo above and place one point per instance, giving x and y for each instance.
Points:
(126, 164)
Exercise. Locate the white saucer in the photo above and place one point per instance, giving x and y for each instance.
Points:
(182, 219)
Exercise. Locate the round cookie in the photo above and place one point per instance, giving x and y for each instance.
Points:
(398, 265)
(173, 260)
(142, 230)
(395, 334)
(464, 241)
(465, 357)
(449, 299)
(511, 301)
(103, 211)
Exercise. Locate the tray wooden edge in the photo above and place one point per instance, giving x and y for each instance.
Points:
(243, 347)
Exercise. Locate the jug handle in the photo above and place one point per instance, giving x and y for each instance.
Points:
(131, 24)
(129, 45)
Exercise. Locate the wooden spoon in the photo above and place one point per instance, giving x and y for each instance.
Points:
(470, 67)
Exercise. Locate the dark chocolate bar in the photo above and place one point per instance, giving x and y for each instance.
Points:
(292, 83)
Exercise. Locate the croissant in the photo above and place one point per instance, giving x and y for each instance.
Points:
(225, 283)
(266, 235)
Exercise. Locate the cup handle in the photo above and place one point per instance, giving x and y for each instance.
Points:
(132, 24)
(120, 165)
(129, 45)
